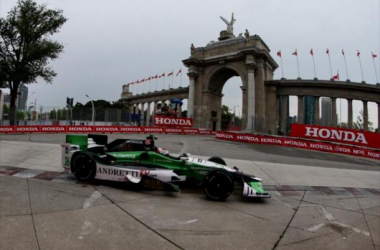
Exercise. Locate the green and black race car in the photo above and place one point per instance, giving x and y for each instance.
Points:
(140, 162)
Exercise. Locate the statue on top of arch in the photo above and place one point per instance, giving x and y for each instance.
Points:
(229, 32)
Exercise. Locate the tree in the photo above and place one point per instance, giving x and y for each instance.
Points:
(359, 124)
(26, 47)
(226, 117)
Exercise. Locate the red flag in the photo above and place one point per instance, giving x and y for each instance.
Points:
(148, 79)
(295, 53)
(155, 77)
(170, 74)
(311, 52)
(374, 55)
(358, 53)
(279, 53)
(336, 77)
(179, 72)
(163, 74)
(342, 52)
(143, 80)
(327, 51)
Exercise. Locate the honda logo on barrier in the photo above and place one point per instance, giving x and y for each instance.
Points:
(53, 129)
(80, 129)
(126, 129)
(172, 121)
(26, 129)
(107, 129)
(6, 129)
(343, 135)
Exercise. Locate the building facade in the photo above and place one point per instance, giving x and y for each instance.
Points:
(326, 111)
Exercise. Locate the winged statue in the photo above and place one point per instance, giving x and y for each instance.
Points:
(230, 28)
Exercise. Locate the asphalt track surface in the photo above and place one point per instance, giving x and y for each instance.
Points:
(209, 146)
(319, 201)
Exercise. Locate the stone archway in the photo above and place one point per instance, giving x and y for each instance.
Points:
(211, 66)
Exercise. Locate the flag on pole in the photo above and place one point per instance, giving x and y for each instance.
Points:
(342, 52)
(374, 55)
(170, 74)
(163, 75)
(279, 53)
(358, 53)
(311, 52)
(336, 77)
(179, 72)
(327, 51)
(295, 53)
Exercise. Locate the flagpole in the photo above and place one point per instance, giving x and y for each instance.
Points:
(156, 82)
(374, 66)
(172, 79)
(315, 71)
(180, 79)
(282, 68)
(149, 85)
(361, 68)
(328, 54)
(298, 65)
(345, 64)
(163, 87)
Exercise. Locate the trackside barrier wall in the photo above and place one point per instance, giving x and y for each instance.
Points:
(299, 143)
(249, 138)
(102, 129)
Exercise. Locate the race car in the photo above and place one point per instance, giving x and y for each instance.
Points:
(141, 163)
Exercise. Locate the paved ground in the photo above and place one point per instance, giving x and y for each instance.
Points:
(319, 201)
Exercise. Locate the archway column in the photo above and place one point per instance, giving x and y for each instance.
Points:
(142, 113)
(148, 114)
(251, 114)
(316, 110)
(349, 102)
(300, 115)
(284, 113)
(333, 112)
(365, 115)
(190, 101)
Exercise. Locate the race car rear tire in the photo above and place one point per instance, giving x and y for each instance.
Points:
(218, 185)
(83, 167)
(218, 160)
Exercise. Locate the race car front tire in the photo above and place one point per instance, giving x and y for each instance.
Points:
(83, 167)
(218, 160)
(218, 185)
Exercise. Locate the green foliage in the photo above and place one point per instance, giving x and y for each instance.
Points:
(226, 117)
(26, 47)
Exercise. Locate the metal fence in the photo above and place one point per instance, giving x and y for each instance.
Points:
(67, 116)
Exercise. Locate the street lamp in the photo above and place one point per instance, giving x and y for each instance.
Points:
(235, 113)
(93, 110)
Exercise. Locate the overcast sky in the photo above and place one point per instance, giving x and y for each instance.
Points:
(110, 43)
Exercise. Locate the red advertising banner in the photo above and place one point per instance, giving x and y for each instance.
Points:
(299, 143)
(346, 136)
(53, 129)
(107, 129)
(80, 129)
(131, 129)
(7, 129)
(27, 129)
(153, 130)
(168, 121)
(173, 130)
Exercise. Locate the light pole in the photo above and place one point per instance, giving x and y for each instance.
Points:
(235, 113)
(93, 110)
